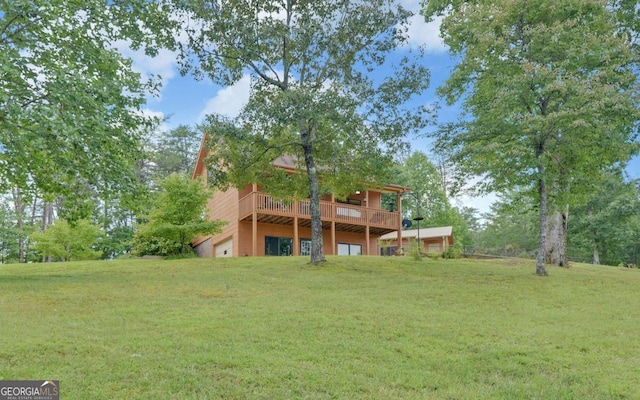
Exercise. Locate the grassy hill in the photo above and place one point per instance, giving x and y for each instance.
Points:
(356, 328)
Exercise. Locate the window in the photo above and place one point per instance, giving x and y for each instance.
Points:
(305, 247)
(275, 246)
(348, 249)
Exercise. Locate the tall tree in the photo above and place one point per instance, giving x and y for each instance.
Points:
(176, 151)
(429, 198)
(551, 95)
(179, 213)
(317, 92)
(69, 102)
(606, 227)
(8, 233)
(510, 227)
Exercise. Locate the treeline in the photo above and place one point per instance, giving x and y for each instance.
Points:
(87, 222)
(603, 229)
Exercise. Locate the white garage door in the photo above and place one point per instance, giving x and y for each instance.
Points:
(224, 249)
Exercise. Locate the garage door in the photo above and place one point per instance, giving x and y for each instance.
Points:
(224, 249)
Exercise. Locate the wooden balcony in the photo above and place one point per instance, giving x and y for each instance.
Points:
(346, 217)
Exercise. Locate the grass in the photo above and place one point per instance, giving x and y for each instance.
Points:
(355, 328)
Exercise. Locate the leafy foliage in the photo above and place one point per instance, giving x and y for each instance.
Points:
(65, 242)
(69, 102)
(316, 95)
(429, 198)
(510, 228)
(117, 242)
(545, 84)
(606, 229)
(179, 214)
(8, 235)
(176, 151)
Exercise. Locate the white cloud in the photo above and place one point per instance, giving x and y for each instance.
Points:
(162, 65)
(423, 33)
(229, 100)
(162, 127)
(426, 34)
(480, 203)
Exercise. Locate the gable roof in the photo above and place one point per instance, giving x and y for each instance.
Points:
(287, 162)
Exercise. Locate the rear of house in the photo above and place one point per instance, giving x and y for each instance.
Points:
(259, 224)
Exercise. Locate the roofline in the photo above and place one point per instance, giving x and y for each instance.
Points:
(202, 154)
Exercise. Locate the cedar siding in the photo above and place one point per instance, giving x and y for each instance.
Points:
(252, 216)
(258, 224)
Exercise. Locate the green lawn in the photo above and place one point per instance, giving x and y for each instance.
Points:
(355, 328)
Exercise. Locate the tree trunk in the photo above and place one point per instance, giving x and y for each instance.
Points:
(34, 206)
(594, 238)
(47, 220)
(542, 190)
(18, 204)
(317, 250)
(556, 246)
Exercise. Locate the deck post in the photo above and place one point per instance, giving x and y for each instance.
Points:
(367, 239)
(254, 221)
(296, 237)
(399, 204)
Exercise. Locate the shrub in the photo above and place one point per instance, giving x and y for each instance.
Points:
(413, 250)
(66, 242)
(452, 252)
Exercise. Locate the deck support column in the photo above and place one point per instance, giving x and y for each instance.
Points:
(296, 237)
(333, 238)
(399, 205)
(366, 237)
(254, 221)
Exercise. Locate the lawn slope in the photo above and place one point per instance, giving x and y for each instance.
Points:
(354, 328)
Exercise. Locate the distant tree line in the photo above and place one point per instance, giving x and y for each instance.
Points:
(39, 227)
(549, 91)
(605, 229)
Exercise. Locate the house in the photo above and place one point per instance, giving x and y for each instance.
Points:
(432, 240)
(259, 224)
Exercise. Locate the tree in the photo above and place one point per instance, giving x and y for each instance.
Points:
(429, 198)
(8, 234)
(67, 242)
(606, 227)
(317, 92)
(177, 151)
(179, 213)
(551, 95)
(69, 102)
(510, 228)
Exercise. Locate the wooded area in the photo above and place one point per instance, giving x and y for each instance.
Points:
(549, 90)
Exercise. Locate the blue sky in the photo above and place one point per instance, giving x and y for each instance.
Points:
(183, 100)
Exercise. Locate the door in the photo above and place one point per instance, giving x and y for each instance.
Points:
(224, 249)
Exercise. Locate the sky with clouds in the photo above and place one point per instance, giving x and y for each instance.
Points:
(184, 101)
(187, 101)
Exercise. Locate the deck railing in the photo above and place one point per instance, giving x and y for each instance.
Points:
(343, 213)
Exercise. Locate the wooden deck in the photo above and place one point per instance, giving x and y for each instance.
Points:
(346, 217)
